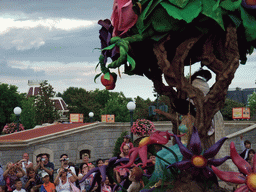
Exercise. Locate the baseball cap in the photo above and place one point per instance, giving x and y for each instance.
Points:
(44, 174)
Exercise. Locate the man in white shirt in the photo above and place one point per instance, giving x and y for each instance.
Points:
(25, 162)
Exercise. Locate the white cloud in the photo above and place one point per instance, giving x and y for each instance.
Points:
(8, 24)
(28, 34)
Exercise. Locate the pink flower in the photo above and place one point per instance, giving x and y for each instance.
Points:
(123, 17)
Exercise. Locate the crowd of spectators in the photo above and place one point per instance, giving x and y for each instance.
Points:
(24, 176)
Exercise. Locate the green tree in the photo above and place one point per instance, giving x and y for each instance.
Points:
(117, 105)
(252, 103)
(9, 99)
(141, 110)
(227, 109)
(28, 114)
(45, 109)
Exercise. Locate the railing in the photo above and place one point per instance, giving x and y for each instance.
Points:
(245, 130)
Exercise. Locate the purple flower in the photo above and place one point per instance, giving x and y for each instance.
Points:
(195, 160)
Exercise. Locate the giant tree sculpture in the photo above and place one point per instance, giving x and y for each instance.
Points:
(159, 38)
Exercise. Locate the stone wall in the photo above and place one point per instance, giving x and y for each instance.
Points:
(99, 139)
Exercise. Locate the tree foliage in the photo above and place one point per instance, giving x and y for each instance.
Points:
(45, 109)
(252, 103)
(227, 109)
(9, 99)
(28, 114)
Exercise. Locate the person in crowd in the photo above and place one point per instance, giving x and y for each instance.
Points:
(246, 146)
(18, 186)
(120, 172)
(62, 181)
(99, 162)
(105, 187)
(2, 181)
(48, 186)
(106, 161)
(2, 188)
(64, 165)
(25, 162)
(125, 153)
(135, 177)
(32, 181)
(126, 142)
(251, 154)
(85, 185)
(44, 165)
(86, 158)
(12, 173)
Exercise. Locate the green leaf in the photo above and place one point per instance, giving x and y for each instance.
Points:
(131, 61)
(96, 77)
(107, 76)
(97, 66)
(109, 47)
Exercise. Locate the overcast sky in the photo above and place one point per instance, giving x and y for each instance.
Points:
(55, 40)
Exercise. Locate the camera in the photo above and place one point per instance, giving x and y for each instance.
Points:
(65, 159)
(43, 159)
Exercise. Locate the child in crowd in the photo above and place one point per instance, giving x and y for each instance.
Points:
(18, 186)
(99, 162)
(105, 187)
(47, 186)
(126, 142)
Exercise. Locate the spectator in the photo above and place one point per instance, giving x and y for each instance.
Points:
(12, 173)
(106, 162)
(2, 181)
(86, 158)
(47, 186)
(18, 186)
(251, 154)
(120, 172)
(32, 180)
(126, 142)
(105, 187)
(62, 182)
(2, 188)
(246, 146)
(125, 153)
(25, 162)
(44, 165)
(64, 165)
(99, 162)
(85, 185)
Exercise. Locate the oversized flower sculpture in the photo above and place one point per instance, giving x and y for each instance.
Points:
(195, 160)
(247, 175)
(157, 137)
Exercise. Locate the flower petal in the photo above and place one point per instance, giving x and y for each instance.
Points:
(143, 151)
(103, 172)
(232, 177)
(195, 143)
(209, 174)
(182, 165)
(158, 138)
(214, 149)
(242, 165)
(132, 158)
(217, 162)
(184, 151)
(243, 188)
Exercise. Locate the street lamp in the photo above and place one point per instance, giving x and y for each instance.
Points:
(17, 112)
(131, 107)
(91, 114)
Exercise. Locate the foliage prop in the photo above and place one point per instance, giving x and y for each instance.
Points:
(247, 175)
(142, 127)
(12, 128)
(195, 161)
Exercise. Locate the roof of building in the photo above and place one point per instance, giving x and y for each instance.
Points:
(39, 132)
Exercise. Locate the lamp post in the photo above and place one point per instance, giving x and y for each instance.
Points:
(131, 107)
(91, 114)
(17, 112)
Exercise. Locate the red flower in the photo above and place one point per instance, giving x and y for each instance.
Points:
(248, 175)
(123, 17)
(157, 137)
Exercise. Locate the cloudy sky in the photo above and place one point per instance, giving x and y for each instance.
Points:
(55, 40)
